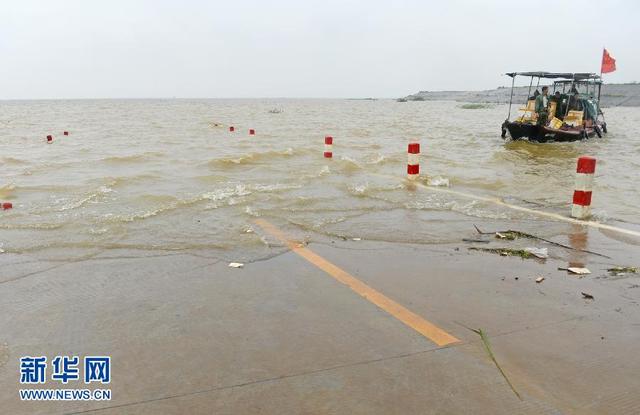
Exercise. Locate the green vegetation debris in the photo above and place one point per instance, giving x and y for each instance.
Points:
(509, 235)
(487, 347)
(623, 270)
(506, 252)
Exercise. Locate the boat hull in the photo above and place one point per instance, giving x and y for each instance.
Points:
(533, 132)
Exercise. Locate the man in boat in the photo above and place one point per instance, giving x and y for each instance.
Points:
(535, 94)
(574, 101)
(560, 106)
(542, 106)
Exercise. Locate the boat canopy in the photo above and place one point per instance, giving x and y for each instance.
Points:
(580, 76)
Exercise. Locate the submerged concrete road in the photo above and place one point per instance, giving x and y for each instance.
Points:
(346, 327)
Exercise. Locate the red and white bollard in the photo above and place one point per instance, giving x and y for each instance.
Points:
(328, 147)
(581, 208)
(232, 128)
(49, 139)
(252, 132)
(413, 161)
(7, 205)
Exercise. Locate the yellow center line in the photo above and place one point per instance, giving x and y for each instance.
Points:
(411, 319)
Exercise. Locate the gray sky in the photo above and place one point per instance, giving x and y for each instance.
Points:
(296, 48)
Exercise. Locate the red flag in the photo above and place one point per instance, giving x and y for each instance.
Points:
(608, 63)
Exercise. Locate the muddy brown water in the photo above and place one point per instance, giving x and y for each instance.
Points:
(161, 175)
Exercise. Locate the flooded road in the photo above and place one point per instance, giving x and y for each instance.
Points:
(168, 175)
(360, 293)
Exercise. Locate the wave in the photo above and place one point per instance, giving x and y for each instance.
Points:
(118, 245)
(119, 181)
(6, 190)
(347, 164)
(358, 189)
(438, 181)
(40, 226)
(132, 158)
(366, 189)
(169, 203)
(81, 202)
(323, 171)
(13, 161)
(473, 208)
(252, 158)
(376, 159)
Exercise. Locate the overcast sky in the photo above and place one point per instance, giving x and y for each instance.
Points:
(297, 48)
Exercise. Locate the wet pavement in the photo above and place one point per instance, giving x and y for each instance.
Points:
(188, 334)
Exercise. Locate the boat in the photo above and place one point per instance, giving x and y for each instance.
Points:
(573, 112)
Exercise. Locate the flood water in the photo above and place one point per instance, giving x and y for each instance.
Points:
(159, 175)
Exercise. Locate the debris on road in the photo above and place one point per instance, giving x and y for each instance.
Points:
(512, 234)
(578, 270)
(506, 252)
(487, 347)
(356, 239)
(540, 279)
(622, 270)
(541, 253)
(587, 296)
(236, 265)
(506, 235)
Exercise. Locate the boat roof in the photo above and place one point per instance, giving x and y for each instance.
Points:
(578, 81)
(578, 76)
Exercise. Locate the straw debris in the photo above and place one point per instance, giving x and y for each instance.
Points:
(513, 234)
(622, 270)
(505, 252)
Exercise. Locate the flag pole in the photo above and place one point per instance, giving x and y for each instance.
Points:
(600, 86)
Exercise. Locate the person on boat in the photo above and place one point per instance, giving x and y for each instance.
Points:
(542, 106)
(574, 101)
(557, 98)
(535, 94)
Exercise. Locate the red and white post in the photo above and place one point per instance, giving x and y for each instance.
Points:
(413, 161)
(581, 208)
(252, 132)
(328, 147)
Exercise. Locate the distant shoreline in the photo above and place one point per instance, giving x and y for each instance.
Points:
(613, 95)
